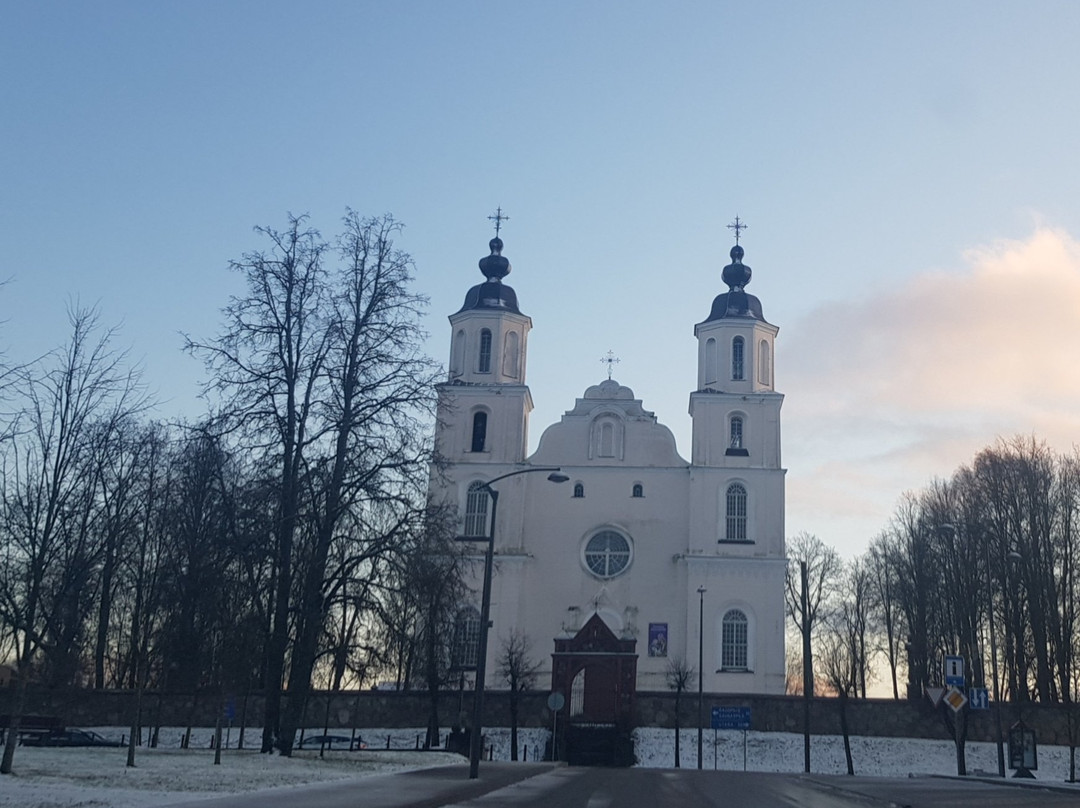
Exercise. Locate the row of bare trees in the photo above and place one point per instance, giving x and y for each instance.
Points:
(985, 565)
(281, 541)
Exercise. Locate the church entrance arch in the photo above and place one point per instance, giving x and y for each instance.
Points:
(597, 671)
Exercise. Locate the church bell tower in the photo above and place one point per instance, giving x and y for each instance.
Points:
(484, 404)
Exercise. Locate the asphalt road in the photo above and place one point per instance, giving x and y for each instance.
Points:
(543, 786)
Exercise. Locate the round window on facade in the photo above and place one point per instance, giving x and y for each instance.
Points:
(607, 554)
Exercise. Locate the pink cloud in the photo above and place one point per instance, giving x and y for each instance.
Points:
(885, 393)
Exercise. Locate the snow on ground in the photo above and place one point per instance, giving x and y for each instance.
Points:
(99, 778)
(876, 757)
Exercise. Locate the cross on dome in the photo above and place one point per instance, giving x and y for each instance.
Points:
(498, 218)
(738, 227)
(611, 361)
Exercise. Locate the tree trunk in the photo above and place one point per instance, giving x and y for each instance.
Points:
(513, 725)
(844, 729)
(678, 699)
(18, 708)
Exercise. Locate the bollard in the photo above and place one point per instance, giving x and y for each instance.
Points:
(417, 743)
(525, 753)
(387, 741)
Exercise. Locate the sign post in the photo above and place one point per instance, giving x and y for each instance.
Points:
(731, 718)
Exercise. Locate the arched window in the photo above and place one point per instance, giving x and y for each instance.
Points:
(479, 431)
(457, 355)
(577, 694)
(638, 491)
(466, 644)
(736, 512)
(476, 510)
(764, 364)
(710, 361)
(738, 351)
(736, 436)
(734, 641)
(484, 365)
(607, 440)
(510, 355)
(579, 490)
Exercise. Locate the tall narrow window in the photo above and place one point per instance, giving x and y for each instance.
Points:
(736, 512)
(466, 641)
(579, 490)
(734, 641)
(457, 355)
(510, 355)
(638, 491)
(736, 438)
(577, 694)
(484, 365)
(710, 361)
(738, 350)
(479, 431)
(476, 510)
(607, 440)
(764, 364)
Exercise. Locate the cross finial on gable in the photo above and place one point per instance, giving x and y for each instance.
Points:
(499, 218)
(738, 227)
(611, 361)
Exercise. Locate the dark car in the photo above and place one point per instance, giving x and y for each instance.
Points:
(332, 741)
(68, 737)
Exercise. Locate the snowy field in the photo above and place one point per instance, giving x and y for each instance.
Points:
(98, 778)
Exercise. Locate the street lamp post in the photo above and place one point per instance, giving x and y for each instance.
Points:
(475, 745)
(701, 670)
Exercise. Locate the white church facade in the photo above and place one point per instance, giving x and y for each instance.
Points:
(638, 535)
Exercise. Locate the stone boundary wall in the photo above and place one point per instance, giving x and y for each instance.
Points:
(388, 709)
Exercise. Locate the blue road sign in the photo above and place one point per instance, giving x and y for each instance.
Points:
(731, 718)
(954, 671)
(979, 697)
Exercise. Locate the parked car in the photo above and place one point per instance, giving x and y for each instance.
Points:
(68, 737)
(331, 741)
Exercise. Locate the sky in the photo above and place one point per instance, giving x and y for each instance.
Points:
(908, 172)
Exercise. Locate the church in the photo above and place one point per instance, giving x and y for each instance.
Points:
(630, 541)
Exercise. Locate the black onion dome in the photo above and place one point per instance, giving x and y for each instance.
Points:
(494, 266)
(493, 293)
(736, 302)
(736, 274)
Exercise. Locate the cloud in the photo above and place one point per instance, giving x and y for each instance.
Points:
(886, 392)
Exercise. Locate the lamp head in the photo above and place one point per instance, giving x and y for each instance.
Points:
(557, 477)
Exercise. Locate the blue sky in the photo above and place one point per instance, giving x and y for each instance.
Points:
(908, 170)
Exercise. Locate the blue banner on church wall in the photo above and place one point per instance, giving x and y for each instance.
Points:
(658, 639)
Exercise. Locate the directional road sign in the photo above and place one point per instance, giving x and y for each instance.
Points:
(979, 698)
(954, 671)
(731, 718)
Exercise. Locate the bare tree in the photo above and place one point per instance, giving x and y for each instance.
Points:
(680, 676)
(266, 367)
(47, 559)
(888, 620)
(321, 372)
(824, 570)
(518, 669)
